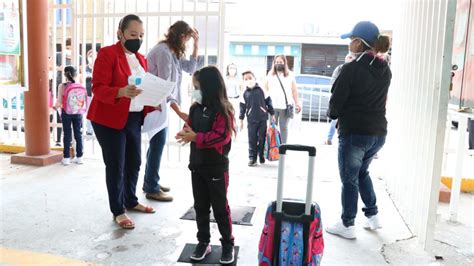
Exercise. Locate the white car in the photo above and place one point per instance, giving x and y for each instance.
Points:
(314, 92)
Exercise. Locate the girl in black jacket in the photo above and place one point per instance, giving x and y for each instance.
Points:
(209, 130)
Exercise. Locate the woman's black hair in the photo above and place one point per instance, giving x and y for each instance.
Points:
(214, 93)
(125, 21)
(70, 72)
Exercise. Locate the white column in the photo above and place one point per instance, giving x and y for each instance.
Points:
(456, 187)
(221, 40)
(417, 109)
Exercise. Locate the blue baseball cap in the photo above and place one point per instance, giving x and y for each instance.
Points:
(365, 30)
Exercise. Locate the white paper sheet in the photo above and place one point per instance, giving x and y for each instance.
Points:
(155, 89)
(156, 120)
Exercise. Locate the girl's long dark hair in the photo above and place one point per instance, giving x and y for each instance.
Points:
(214, 94)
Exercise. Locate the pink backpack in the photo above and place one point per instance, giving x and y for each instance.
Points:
(292, 243)
(74, 99)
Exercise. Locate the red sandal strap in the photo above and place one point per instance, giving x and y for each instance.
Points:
(127, 223)
(149, 209)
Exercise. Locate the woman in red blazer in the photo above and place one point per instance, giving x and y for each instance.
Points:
(117, 118)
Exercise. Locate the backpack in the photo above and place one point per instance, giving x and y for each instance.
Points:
(74, 99)
(273, 143)
(292, 241)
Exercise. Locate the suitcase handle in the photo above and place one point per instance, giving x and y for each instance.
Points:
(290, 147)
(294, 218)
(281, 173)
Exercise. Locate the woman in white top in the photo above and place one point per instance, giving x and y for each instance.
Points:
(280, 83)
(232, 84)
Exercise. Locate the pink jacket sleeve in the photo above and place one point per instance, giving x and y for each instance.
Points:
(216, 138)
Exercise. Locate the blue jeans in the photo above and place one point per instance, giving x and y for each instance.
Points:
(356, 152)
(332, 129)
(121, 151)
(76, 122)
(153, 160)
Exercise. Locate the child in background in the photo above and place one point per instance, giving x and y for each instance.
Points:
(332, 126)
(78, 106)
(233, 87)
(256, 105)
(209, 129)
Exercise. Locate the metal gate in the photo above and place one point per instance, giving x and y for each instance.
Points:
(91, 24)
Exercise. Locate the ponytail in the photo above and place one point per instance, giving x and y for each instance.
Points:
(70, 73)
(382, 44)
(70, 77)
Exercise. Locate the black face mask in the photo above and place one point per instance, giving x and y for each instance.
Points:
(133, 45)
(280, 67)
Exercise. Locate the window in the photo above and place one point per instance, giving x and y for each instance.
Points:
(59, 13)
(322, 59)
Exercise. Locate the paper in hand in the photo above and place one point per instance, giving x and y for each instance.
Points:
(155, 90)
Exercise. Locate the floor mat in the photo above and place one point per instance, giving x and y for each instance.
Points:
(241, 215)
(211, 259)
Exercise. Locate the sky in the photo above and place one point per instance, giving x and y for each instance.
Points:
(314, 17)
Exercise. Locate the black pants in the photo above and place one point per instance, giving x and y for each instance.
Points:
(76, 122)
(121, 150)
(470, 127)
(211, 190)
(257, 133)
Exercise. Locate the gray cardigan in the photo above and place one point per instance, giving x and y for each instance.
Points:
(164, 64)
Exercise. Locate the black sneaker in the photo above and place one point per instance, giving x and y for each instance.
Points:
(200, 251)
(262, 160)
(227, 256)
(252, 163)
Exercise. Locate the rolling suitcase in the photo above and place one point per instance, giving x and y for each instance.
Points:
(292, 234)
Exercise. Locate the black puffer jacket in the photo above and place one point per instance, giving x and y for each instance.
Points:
(359, 96)
(256, 105)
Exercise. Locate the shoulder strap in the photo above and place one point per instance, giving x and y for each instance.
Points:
(283, 88)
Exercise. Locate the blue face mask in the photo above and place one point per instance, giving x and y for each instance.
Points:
(197, 96)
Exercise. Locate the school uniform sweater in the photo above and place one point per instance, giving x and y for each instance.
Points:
(209, 153)
(255, 105)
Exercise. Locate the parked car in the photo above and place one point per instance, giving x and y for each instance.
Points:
(314, 92)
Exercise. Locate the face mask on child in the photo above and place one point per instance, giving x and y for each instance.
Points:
(249, 83)
(232, 72)
(197, 96)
